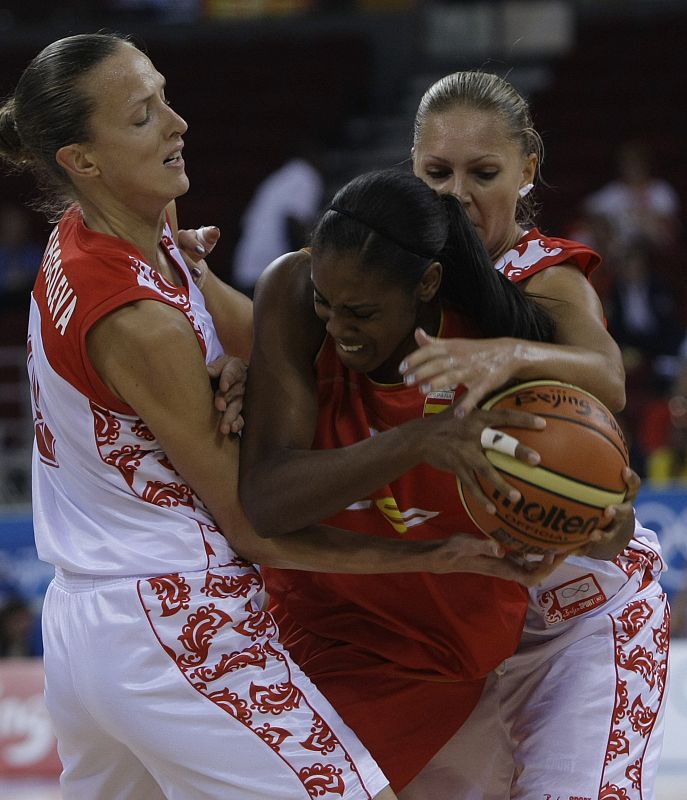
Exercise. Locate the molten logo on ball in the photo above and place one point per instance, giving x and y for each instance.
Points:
(562, 498)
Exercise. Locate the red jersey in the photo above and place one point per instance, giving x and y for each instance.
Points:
(535, 252)
(418, 642)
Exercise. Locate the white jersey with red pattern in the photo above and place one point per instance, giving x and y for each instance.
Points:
(580, 585)
(106, 499)
(578, 711)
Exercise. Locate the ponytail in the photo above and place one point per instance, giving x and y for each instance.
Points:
(472, 285)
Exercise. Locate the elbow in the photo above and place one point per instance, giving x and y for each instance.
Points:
(261, 511)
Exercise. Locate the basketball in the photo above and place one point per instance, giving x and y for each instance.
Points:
(583, 453)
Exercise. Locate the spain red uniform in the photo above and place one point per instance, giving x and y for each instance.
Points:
(401, 657)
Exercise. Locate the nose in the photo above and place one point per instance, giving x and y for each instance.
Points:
(460, 191)
(337, 327)
(177, 123)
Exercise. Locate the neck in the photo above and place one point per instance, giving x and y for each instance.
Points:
(509, 242)
(143, 231)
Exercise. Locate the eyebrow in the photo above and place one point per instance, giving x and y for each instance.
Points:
(348, 306)
(143, 100)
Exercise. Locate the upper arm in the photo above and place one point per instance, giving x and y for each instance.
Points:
(147, 353)
(575, 306)
(281, 395)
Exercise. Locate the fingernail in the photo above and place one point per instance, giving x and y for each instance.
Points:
(514, 495)
(409, 379)
(491, 508)
(459, 413)
(533, 458)
(199, 249)
(426, 388)
(403, 366)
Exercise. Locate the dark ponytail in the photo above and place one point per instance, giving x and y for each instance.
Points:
(472, 285)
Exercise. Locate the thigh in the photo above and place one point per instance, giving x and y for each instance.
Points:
(195, 683)
(476, 763)
(586, 712)
(94, 764)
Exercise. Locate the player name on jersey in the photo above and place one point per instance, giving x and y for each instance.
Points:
(59, 295)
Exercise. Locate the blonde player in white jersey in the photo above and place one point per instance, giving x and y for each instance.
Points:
(578, 711)
(164, 676)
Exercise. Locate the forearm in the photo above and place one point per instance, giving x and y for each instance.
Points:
(591, 370)
(322, 548)
(315, 484)
(232, 314)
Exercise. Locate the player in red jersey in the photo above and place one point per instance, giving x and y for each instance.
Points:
(332, 432)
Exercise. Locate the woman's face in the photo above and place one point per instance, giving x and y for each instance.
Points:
(371, 319)
(467, 153)
(136, 139)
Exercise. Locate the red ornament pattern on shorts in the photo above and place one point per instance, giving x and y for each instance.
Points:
(641, 648)
(227, 649)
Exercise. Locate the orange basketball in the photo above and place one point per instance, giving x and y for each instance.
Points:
(583, 453)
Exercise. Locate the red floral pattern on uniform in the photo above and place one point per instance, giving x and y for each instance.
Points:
(612, 792)
(232, 703)
(661, 634)
(621, 701)
(321, 738)
(634, 774)
(140, 429)
(275, 699)
(173, 593)
(322, 779)
(169, 495)
(198, 632)
(107, 426)
(274, 736)
(639, 660)
(127, 460)
(251, 657)
(642, 660)
(46, 444)
(257, 625)
(618, 745)
(231, 585)
(642, 717)
(633, 619)
(229, 653)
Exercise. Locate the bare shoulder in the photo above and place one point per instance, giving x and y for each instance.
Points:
(147, 324)
(287, 276)
(558, 282)
(283, 305)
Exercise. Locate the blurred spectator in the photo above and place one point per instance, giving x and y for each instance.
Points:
(641, 306)
(20, 256)
(278, 217)
(669, 462)
(18, 629)
(637, 202)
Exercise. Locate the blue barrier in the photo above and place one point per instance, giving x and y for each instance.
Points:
(663, 509)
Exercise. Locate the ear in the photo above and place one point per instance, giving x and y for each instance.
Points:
(76, 161)
(529, 170)
(430, 282)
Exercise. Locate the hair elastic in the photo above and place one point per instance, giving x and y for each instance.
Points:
(345, 213)
(526, 189)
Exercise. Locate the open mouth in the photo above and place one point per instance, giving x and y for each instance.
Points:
(175, 158)
(350, 348)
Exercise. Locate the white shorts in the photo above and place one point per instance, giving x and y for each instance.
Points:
(176, 687)
(577, 716)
